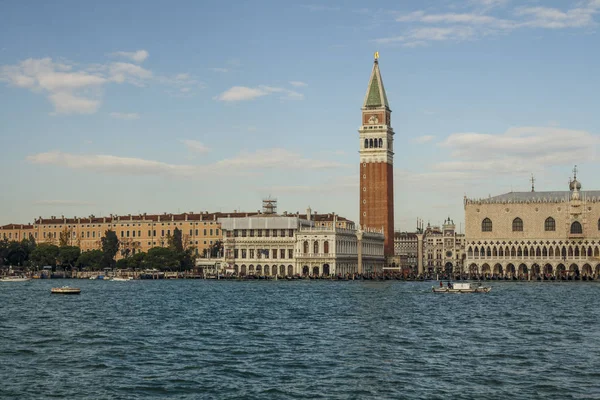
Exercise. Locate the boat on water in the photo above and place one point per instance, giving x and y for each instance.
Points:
(65, 290)
(14, 279)
(461, 288)
(119, 279)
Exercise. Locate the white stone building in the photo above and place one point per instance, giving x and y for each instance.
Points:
(535, 234)
(286, 245)
(444, 249)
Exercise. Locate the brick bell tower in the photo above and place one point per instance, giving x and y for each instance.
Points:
(377, 161)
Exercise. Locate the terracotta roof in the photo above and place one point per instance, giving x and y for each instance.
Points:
(16, 226)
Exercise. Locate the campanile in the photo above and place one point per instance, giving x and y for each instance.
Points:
(377, 161)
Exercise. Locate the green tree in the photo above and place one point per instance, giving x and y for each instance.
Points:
(4, 252)
(68, 256)
(176, 242)
(110, 247)
(137, 261)
(123, 263)
(44, 254)
(162, 258)
(18, 253)
(90, 260)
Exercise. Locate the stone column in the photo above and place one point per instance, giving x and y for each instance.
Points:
(420, 254)
(359, 235)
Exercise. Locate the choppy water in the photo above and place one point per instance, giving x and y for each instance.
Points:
(307, 340)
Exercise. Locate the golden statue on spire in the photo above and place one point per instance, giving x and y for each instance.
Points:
(376, 55)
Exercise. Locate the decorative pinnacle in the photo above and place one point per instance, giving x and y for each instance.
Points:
(376, 56)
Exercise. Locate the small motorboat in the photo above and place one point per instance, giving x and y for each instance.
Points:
(14, 279)
(120, 279)
(461, 288)
(65, 290)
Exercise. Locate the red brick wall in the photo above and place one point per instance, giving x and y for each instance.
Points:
(377, 200)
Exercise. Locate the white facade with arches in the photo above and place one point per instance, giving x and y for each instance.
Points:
(537, 234)
(287, 245)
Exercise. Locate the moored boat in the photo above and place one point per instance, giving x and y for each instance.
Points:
(66, 290)
(461, 288)
(14, 279)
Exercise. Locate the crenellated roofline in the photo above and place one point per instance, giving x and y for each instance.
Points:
(591, 196)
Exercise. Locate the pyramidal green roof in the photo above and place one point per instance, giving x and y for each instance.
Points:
(376, 96)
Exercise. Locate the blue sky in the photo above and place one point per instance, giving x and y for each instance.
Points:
(151, 106)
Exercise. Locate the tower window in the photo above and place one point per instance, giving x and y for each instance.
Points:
(366, 143)
(486, 225)
(380, 142)
(370, 143)
(550, 224)
(517, 225)
(576, 227)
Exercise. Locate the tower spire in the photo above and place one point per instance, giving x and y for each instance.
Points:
(532, 183)
(376, 96)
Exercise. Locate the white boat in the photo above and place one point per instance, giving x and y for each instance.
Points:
(119, 279)
(65, 290)
(461, 288)
(14, 279)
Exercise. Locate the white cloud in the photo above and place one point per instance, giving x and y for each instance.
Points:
(74, 88)
(424, 28)
(195, 146)
(298, 83)
(109, 164)
(244, 164)
(128, 116)
(126, 72)
(519, 149)
(243, 93)
(424, 139)
(275, 158)
(68, 103)
(62, 203)
(138, 56)
(68, 89)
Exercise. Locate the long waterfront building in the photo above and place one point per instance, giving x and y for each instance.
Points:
(140, 232)
(534, 233)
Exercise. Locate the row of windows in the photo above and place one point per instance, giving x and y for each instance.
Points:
(373, 143)
(162, 233)
(263, 253)
(316, 247)
(549, 225)
(261, 232)
(116, 225)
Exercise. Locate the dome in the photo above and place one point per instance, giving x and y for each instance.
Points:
(575, 184)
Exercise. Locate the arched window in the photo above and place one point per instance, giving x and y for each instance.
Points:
(326, 247)
(315, 247)
(486, 225)
(370, 143)
(306, 247)
(380, 142)
(576, 227)
(517, 225)
(550, 224)
(599, 224)
(366, 143)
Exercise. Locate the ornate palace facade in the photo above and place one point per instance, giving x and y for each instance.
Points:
(534, 234)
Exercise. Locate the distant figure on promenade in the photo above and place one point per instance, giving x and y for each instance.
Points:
(441, 284)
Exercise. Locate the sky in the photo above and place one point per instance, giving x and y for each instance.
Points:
(157, 106)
